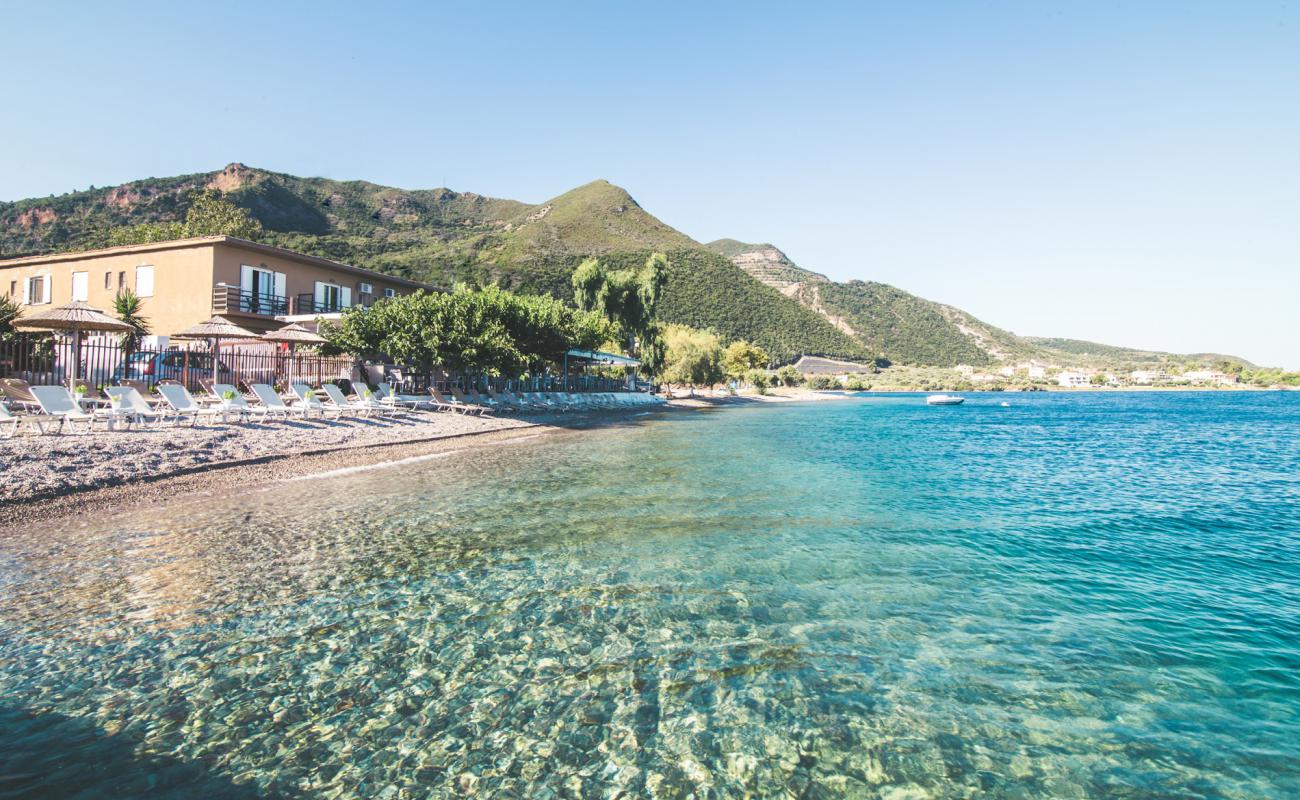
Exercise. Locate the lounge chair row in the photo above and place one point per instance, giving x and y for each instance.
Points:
(45, 407)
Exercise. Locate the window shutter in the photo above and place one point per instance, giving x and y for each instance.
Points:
(279, 284)
(27, 292)
(144, 281)
(81, 286)
(46, 284)
(345, 297)
(246, 278)
(320, 294)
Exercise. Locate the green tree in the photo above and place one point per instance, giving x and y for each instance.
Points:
(789, 376)
(466, 330)
(822, 382)
(208, 215)
(127, 306)
(627, 298)
(1098, 380)
(740, 357)
(760, 379)
(691, 357)
(9, 311)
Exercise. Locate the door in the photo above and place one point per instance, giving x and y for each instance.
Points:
(81, 286)
(258, 289)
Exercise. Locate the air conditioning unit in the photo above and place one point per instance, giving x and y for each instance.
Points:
(365, 288)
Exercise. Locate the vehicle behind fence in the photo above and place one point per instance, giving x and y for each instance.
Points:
(43, 360)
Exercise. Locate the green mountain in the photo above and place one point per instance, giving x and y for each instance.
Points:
(443, 237)
(907, 329)
(902, 327)
(741, 290)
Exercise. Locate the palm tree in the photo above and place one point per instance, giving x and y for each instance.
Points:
(127, 307)
(9, 311)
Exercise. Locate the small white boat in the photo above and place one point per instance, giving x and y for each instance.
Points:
(944, 400)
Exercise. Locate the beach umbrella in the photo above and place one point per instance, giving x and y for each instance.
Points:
(294, 334)
(75, 317)
(216, 329)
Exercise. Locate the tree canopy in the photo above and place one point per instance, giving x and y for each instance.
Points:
(208, 215)
(740, 357)
(628, 298)
(691, 357)
(487, 330)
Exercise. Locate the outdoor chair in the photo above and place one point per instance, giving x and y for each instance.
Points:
(459, 397)
(334, 399)
(12, 422)
(129, 402)
(366, 397)
(390, 396)
(58, 402)
(310, 402)
(455, 405)
(236, 403)
(270, 400)
(183, 404)
(18, 393)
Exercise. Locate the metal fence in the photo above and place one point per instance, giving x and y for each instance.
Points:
(47, 360)
(43, 359)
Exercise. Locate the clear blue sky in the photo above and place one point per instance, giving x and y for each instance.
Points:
(1125, 172)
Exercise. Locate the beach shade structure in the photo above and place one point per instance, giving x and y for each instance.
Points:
(75, 318)
(215, 329)
(293, 334)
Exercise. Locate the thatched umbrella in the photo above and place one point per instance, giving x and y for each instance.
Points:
(294, 334)
(216, 329)
(75, 317)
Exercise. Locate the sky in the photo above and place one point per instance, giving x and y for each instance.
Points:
(1121, 172)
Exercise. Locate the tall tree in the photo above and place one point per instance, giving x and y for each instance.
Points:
(628, 298)
(9, 311)
(127, 306)
(691, 357)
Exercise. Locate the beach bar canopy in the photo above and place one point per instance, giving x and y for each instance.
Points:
(216, 329)
(293, 334)
(601, 358)
(74, 317)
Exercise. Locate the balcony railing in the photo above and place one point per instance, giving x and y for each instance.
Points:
(226, 299)
(307, 304)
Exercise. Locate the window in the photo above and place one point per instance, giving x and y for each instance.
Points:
(108, 280)
(144, 281)
(332, 297)
(261, 291)
(13, 288)
(81, 286)
(121, 280)
(36, 290)
(390, 293)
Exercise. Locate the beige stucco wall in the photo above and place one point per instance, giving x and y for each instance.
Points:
(182, 293)
(300, 278)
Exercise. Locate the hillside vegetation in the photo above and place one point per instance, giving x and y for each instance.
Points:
(443, 237)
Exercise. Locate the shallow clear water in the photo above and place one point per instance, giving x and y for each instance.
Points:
(1076, 596)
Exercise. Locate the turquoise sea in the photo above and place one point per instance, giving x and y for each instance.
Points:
(1078, 595)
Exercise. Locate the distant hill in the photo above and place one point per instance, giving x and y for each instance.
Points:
(741, 290)
(890, 322)
(442, 236)
(1080, 349)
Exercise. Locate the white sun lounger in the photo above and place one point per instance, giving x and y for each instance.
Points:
(335, 399)
(310, 402)
(237, 404)
(57, 401)
(131, 404)
(274, 405)
(183, 404)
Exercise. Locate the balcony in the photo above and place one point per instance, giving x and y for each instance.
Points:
(228, 299)
(307, 304)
